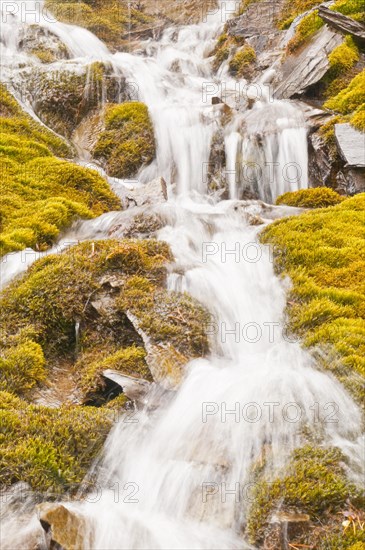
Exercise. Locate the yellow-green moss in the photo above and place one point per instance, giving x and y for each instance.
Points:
(351, 8)
(41, 195)
(128, 142)
(344, 56)
(358, 118)
(314, 482)
(323, 252)
(242, 60)
(350, 102)
(169, 317)
(318, 197)
(111, 21)
(291, 9)
(51, 449)
(310, 24)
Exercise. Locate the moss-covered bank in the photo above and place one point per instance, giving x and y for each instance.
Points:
(41, 194)
(93, 285)
(323, 252)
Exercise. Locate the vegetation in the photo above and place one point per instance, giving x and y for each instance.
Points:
(242, 61)
(226, 46)
(128, 142)
(323, 253)
(314, 482)
(111, 21)
(41, 195)
(307, 26)
(51, 449)
(92, 284)
(351, 101)
(317, 197)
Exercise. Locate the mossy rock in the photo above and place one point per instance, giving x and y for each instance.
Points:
(127, 143)
(110, 21)
(41, 195)
(96, 285)
(315, 483)
(318, 197)
(241, 63)
(323, 253)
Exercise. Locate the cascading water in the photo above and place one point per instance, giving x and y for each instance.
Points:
(163, 479)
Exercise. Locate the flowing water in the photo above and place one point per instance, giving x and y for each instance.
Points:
(180, 475)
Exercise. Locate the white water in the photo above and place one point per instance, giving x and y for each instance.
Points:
(165, 460)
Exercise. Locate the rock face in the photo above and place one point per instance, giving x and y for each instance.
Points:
(342, 23)
(298, 72)
(351, 144)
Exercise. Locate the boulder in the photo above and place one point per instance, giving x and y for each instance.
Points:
(306, 68)
(342, 23)
(42, 43)
(65, 529)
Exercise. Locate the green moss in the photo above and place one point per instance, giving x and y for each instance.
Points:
(358, 119)
(323, 253)
(51, 449)
(22, 367)
(314, 482)
(351, 8)
(344, 56)
(41, 195)
(111, 21)
(318, 197)
(128, 142)
(291, 9)
(349, 99)
(169, 317)
(309, 25)
(242, 61)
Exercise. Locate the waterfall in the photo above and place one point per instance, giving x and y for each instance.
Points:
(178, 476)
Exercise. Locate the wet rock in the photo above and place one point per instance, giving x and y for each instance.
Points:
(153, 192)
(134, 388)
(65, 529)
(342, 23)
(43, 44)
(144, 224)
(299, 72)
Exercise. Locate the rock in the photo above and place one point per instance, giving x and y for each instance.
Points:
(164, 361)
(300, 71)
(351, 144)
(135, 389)
(42, 43)
(65, 529)
(151, 193)
(342, 23)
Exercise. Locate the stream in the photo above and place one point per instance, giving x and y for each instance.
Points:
(179, 475)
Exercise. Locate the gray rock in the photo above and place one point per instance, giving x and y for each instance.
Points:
(134, 388)
(351, 144)
(342, 23)
(298, 72)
